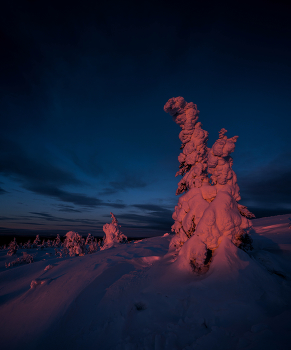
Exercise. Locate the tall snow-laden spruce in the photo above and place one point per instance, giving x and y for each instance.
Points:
(208, 210)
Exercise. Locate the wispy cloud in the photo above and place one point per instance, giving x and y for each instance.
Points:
(269, 186)
(129, 182)
(154, 217)
(2, 191)
(68, 208)
(41, 176)
(65, 196)
(154, 209)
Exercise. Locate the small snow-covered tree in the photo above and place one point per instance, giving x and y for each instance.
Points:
(113, 234)
(74, 244)
(36, 242)
(208, 210)
(57, 242)
(91, 244)
(27, 245)
(12, 248)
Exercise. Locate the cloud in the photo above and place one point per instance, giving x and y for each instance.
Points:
(6, 218)
(49, 217)
(129, 182)
(155, 218)
(115, 205)
(41, 176)
(269, 186)
(146, 222)
(45, 216)
(153, 208)
(2, 191)
(65, 196)
(68, 209)
(15, 161)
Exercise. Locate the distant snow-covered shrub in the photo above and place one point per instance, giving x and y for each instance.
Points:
(36, 242)
(12, 248)
(57, 242)
(25, 259)
(113, 235)
(91, 243)
(27, 245)
(74, 244)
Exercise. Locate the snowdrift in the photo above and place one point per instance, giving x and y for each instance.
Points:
(136, 296)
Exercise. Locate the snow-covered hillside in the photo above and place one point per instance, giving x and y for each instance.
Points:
(132, 296)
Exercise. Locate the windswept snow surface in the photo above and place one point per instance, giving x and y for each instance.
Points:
(133, 297)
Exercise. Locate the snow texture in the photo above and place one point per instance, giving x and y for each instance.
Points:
(135, 297)
(208, 209)
(113, 235)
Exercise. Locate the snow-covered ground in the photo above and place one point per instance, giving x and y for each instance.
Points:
(133, 297)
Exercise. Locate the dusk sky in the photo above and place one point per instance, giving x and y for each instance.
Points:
(83, 131)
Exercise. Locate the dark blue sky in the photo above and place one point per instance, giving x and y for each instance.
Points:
(83, 131)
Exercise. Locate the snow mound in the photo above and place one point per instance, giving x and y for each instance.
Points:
(135, 297)
(48, 267)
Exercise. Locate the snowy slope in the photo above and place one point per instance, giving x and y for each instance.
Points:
(133, 297)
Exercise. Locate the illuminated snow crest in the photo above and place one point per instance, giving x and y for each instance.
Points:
(208, 210)
(113, 235)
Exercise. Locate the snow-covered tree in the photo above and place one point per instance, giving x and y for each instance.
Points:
(27, 245)
(74, 244)
(36, 242)
(57, 242)
(193, 167)
(113, 234)
(12, 248)
(208, 210)
(91, 244)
